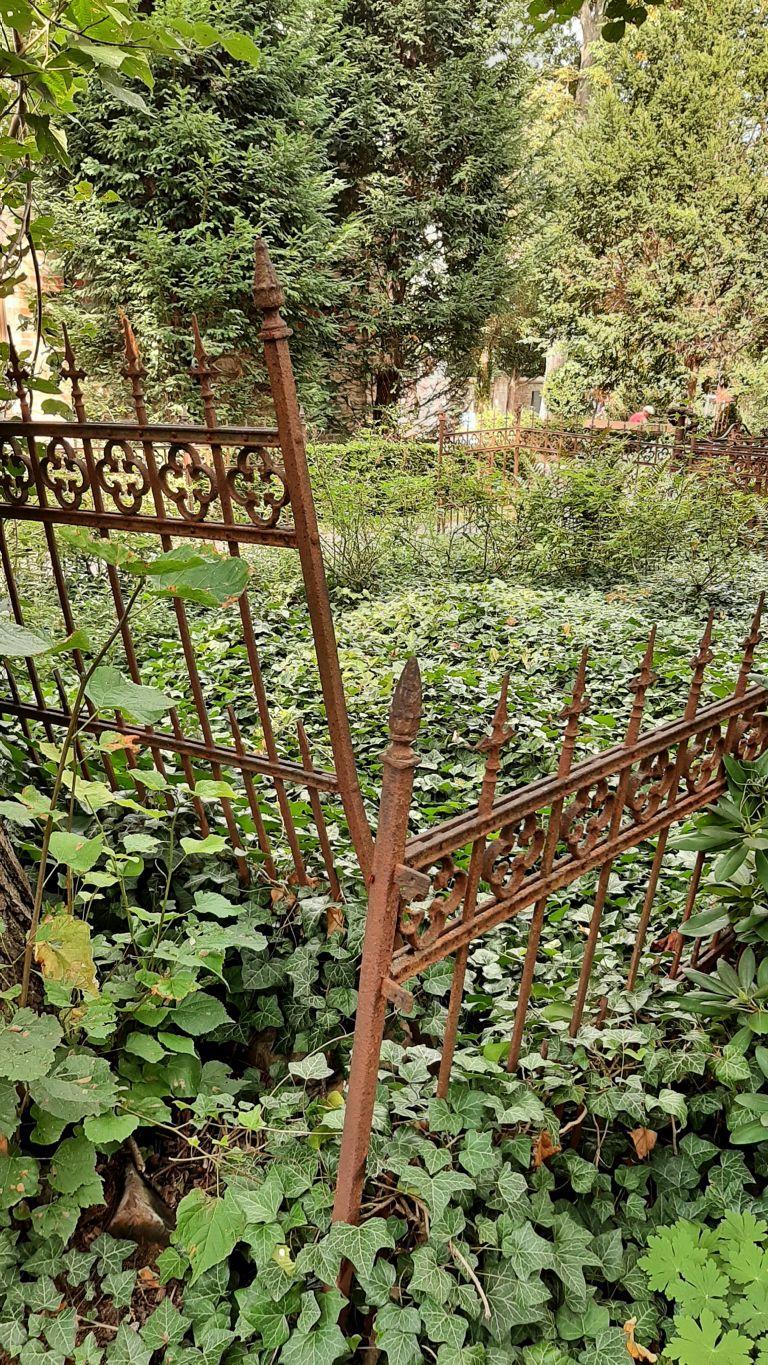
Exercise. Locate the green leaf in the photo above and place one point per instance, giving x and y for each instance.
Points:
(128, 1348)
(215, 581)
(27, 1045)
(311, 1068)
(75, 851)
(73, 1172)
(199, 1013)
(145, 1046)
(241, 47)
(358, 1245)
(107, 1128)
(705, 1343)
(78, 1086)
(108, 690)
(208, 1229)
(19, 1179)
(212, 843)
(513, 1302)
(397, 1333)
(19, 642)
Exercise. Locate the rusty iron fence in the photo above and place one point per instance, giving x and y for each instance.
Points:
(433, 894)
(510, 448)
(237, 487)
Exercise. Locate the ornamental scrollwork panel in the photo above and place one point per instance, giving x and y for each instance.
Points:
(703, 757)
(650, 785)
(586, 817)
(258, 484)
(509, 859)
(15, 472)
(421, 925)
(188, 481)
(64, 473)
(123, 476)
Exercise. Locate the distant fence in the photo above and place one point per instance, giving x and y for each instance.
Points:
(509, 448)
(433, 894)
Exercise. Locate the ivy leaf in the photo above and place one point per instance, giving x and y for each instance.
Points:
(701, 1343)
(429, 1280)
(358, 1245)
(513, 1302)
(526, 1251)
(397, 1333)
(208, 1229)
(61, 1331)
(110, 1254)
(311, 1068)
(119, 1285)
(570, 1256)
(441, 1325)
(27, 1045)
(128, 1348)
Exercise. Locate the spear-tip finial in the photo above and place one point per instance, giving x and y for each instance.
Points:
(267, 294)
(405, 711)
(500, 730)
(578, 703)
(201, 358)
(132, 355)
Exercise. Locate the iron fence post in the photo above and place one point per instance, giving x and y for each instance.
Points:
(400, 760)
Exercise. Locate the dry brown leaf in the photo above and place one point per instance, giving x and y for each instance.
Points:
(636, 1351)
(644, 1140)
(543, 1149)
(116, 741)
(334, 920)
(148, 1279)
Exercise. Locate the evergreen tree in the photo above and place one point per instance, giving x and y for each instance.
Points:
(653, 264)
(165, 223)
(427, 148)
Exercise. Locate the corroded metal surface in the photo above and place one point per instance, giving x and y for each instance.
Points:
(235, 485)
(435, 893)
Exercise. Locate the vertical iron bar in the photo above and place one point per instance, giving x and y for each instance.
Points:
(134, 371)
(319, 817)
(268, 298)
(253, 800)
(572, 715)
(699, 664)
(380, 928)
(639, 687)
(492, 747)
(202, 372)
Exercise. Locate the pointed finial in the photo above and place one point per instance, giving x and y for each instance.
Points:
(72, 372)
(699, 662)
(306, 755)
(752, 640)
(133, 365)
(405, 711)
(572, 714)
(202, 372)
(267, 294)
(639, 685)
(500, 731)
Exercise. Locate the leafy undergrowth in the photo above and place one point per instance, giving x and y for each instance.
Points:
(206, 1031)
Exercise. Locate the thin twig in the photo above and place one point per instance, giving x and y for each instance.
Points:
(466, 1267)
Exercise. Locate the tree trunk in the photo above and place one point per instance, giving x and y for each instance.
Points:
(591, 20)
(15, 912)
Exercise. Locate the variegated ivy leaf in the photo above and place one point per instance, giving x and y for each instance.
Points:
(397, 1333)
(110, 1253)
(119, 1285)
(358, 1245)
(165, 1326)
(128, 1348)
(60, 1332)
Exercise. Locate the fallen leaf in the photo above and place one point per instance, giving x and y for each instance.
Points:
(644, 1140)
(130, 742)
(334, 920)
(543, 1149)
(636, 1351)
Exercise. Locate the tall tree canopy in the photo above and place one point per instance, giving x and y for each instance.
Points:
(374, 147)
(654, 259)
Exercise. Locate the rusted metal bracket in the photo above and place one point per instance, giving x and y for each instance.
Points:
(397, 995)
(412, 885)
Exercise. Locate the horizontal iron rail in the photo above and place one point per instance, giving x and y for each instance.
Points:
(243, 532)
(409, 962)
(248, 762)
(160, 432)
(422, 850)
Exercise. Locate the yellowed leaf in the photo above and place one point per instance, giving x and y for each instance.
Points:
(63, 953)
(636, 1351)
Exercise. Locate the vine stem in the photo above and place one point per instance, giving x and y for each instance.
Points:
(69, 739)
